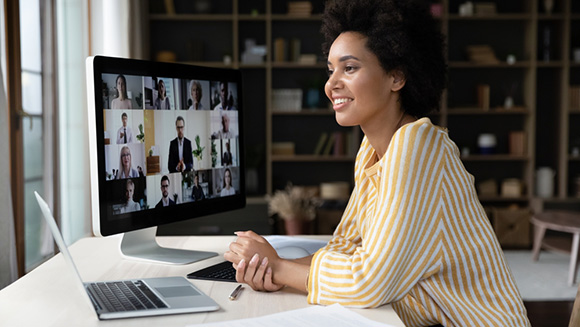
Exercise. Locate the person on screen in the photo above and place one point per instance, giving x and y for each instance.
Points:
(195, 91)
(122, 101)
(227, 156)
(126, 169)
(162, 101)
(227, 189)
(180, 150)
(197, 191)
(414, 233)
(165, 200)
(226, 99)
(124, 134)
(129, 205)
(224, 132)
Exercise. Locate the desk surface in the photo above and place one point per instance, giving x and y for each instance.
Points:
(48, 296)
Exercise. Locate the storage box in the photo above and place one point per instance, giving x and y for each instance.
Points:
(512, 226)
(287, 100)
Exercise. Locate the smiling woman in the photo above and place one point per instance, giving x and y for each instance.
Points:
(414, 233)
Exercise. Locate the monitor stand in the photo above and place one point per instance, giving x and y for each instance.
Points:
(141, 244)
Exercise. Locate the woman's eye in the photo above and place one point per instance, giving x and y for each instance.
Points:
(349, 69)
(329, 72)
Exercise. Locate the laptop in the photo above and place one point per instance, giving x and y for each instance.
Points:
(134, 297)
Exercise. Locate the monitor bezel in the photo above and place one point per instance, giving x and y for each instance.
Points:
(104, 225)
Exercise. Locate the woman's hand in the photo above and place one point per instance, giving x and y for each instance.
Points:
(253, 257)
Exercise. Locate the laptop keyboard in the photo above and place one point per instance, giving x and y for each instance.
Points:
(223, 272)
(125, 296)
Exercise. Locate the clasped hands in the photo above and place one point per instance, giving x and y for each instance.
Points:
(254, 260)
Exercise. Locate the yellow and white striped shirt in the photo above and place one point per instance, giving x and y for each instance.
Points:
(415, 235)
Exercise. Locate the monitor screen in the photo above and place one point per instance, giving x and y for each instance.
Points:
(166, 142)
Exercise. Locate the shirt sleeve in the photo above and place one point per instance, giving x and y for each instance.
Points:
(398, 210)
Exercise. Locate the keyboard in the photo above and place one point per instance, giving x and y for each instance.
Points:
(223, 272)
(124, 296)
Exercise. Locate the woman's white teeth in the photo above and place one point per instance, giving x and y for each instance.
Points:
(342, 100)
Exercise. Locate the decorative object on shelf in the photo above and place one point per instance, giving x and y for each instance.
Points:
(486, 143)
(483, 95)
(202, 6)
(227, 60)
(517, 143)
(465, 151)
(485, 8)
(545, 182)
(576, 55)
(166, 56)
(296, 205)
(511, 188)
(575, 153)
(283, 148)
(466, 9)
(510, 90)
(548, 6)
(335, 191)
(487, 188)
(510, 59)
(253, 53)
(436, 10)
(300, 8)
(287, 100)
(481, 54)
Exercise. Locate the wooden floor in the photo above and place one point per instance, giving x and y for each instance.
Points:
(549, 314)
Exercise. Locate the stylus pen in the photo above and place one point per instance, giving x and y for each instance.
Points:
(235, 293)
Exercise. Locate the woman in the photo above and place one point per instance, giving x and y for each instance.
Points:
(162, 101)
(129, 205)
(195, 91)
(227, 189)
(126, 169)
(122, 101)
(414, 233)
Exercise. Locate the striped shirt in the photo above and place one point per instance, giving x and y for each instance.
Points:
(415, 235)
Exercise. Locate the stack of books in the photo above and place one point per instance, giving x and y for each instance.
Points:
(574, 97)
(481, 54)
(287, 100)
(299, 8)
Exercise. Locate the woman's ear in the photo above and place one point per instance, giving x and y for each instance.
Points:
(398, 80)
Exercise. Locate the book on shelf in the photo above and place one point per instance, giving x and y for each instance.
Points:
(279, 49)
(320, 144)
(295, 50)
(574, 97)
(169, 7)
(339, 143)
(329, 145)
(299, 8)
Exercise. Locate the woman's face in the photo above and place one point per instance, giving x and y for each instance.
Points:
(358, 86)
(228, 178)
(126, 158)
(195, 93)
(129, 191)
(121, 87)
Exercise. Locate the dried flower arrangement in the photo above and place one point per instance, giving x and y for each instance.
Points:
(295, 202)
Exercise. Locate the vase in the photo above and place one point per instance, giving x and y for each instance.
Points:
(296, 226)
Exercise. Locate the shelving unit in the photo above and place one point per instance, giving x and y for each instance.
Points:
(540, 88)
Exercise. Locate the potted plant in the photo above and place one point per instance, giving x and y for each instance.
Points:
(198, 152)
(296, 205)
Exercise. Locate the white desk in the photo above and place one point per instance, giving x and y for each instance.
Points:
(47, 296)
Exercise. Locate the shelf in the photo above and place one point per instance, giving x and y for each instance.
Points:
(494, 157)
(492, 111)
(294, 65)
(311, 158)
(315, 17)
(190, 17)
(492, 17)
(503, 199)
(501, 64)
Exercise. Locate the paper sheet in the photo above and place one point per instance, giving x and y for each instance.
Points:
(310, 245)
(315, 316)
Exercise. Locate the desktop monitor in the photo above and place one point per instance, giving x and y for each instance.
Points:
(166, 145)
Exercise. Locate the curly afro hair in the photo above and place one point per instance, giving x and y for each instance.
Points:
(404, 36)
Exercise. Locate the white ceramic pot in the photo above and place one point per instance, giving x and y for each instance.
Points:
(545, 182)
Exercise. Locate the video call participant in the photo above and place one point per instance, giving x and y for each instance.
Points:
(124, 134)
(227, 156)
(224, 132)
(197, 191)
(129, 205)
(165, 200)
(227, 189)
(195, 91)
(225, 98)
(180, 150)
(162, 101)
(414, 233)
(122, 101)
(126, 169)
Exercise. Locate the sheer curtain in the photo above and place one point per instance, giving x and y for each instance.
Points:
(8, 270)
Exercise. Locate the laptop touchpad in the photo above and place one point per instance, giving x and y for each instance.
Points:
(177, 291)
